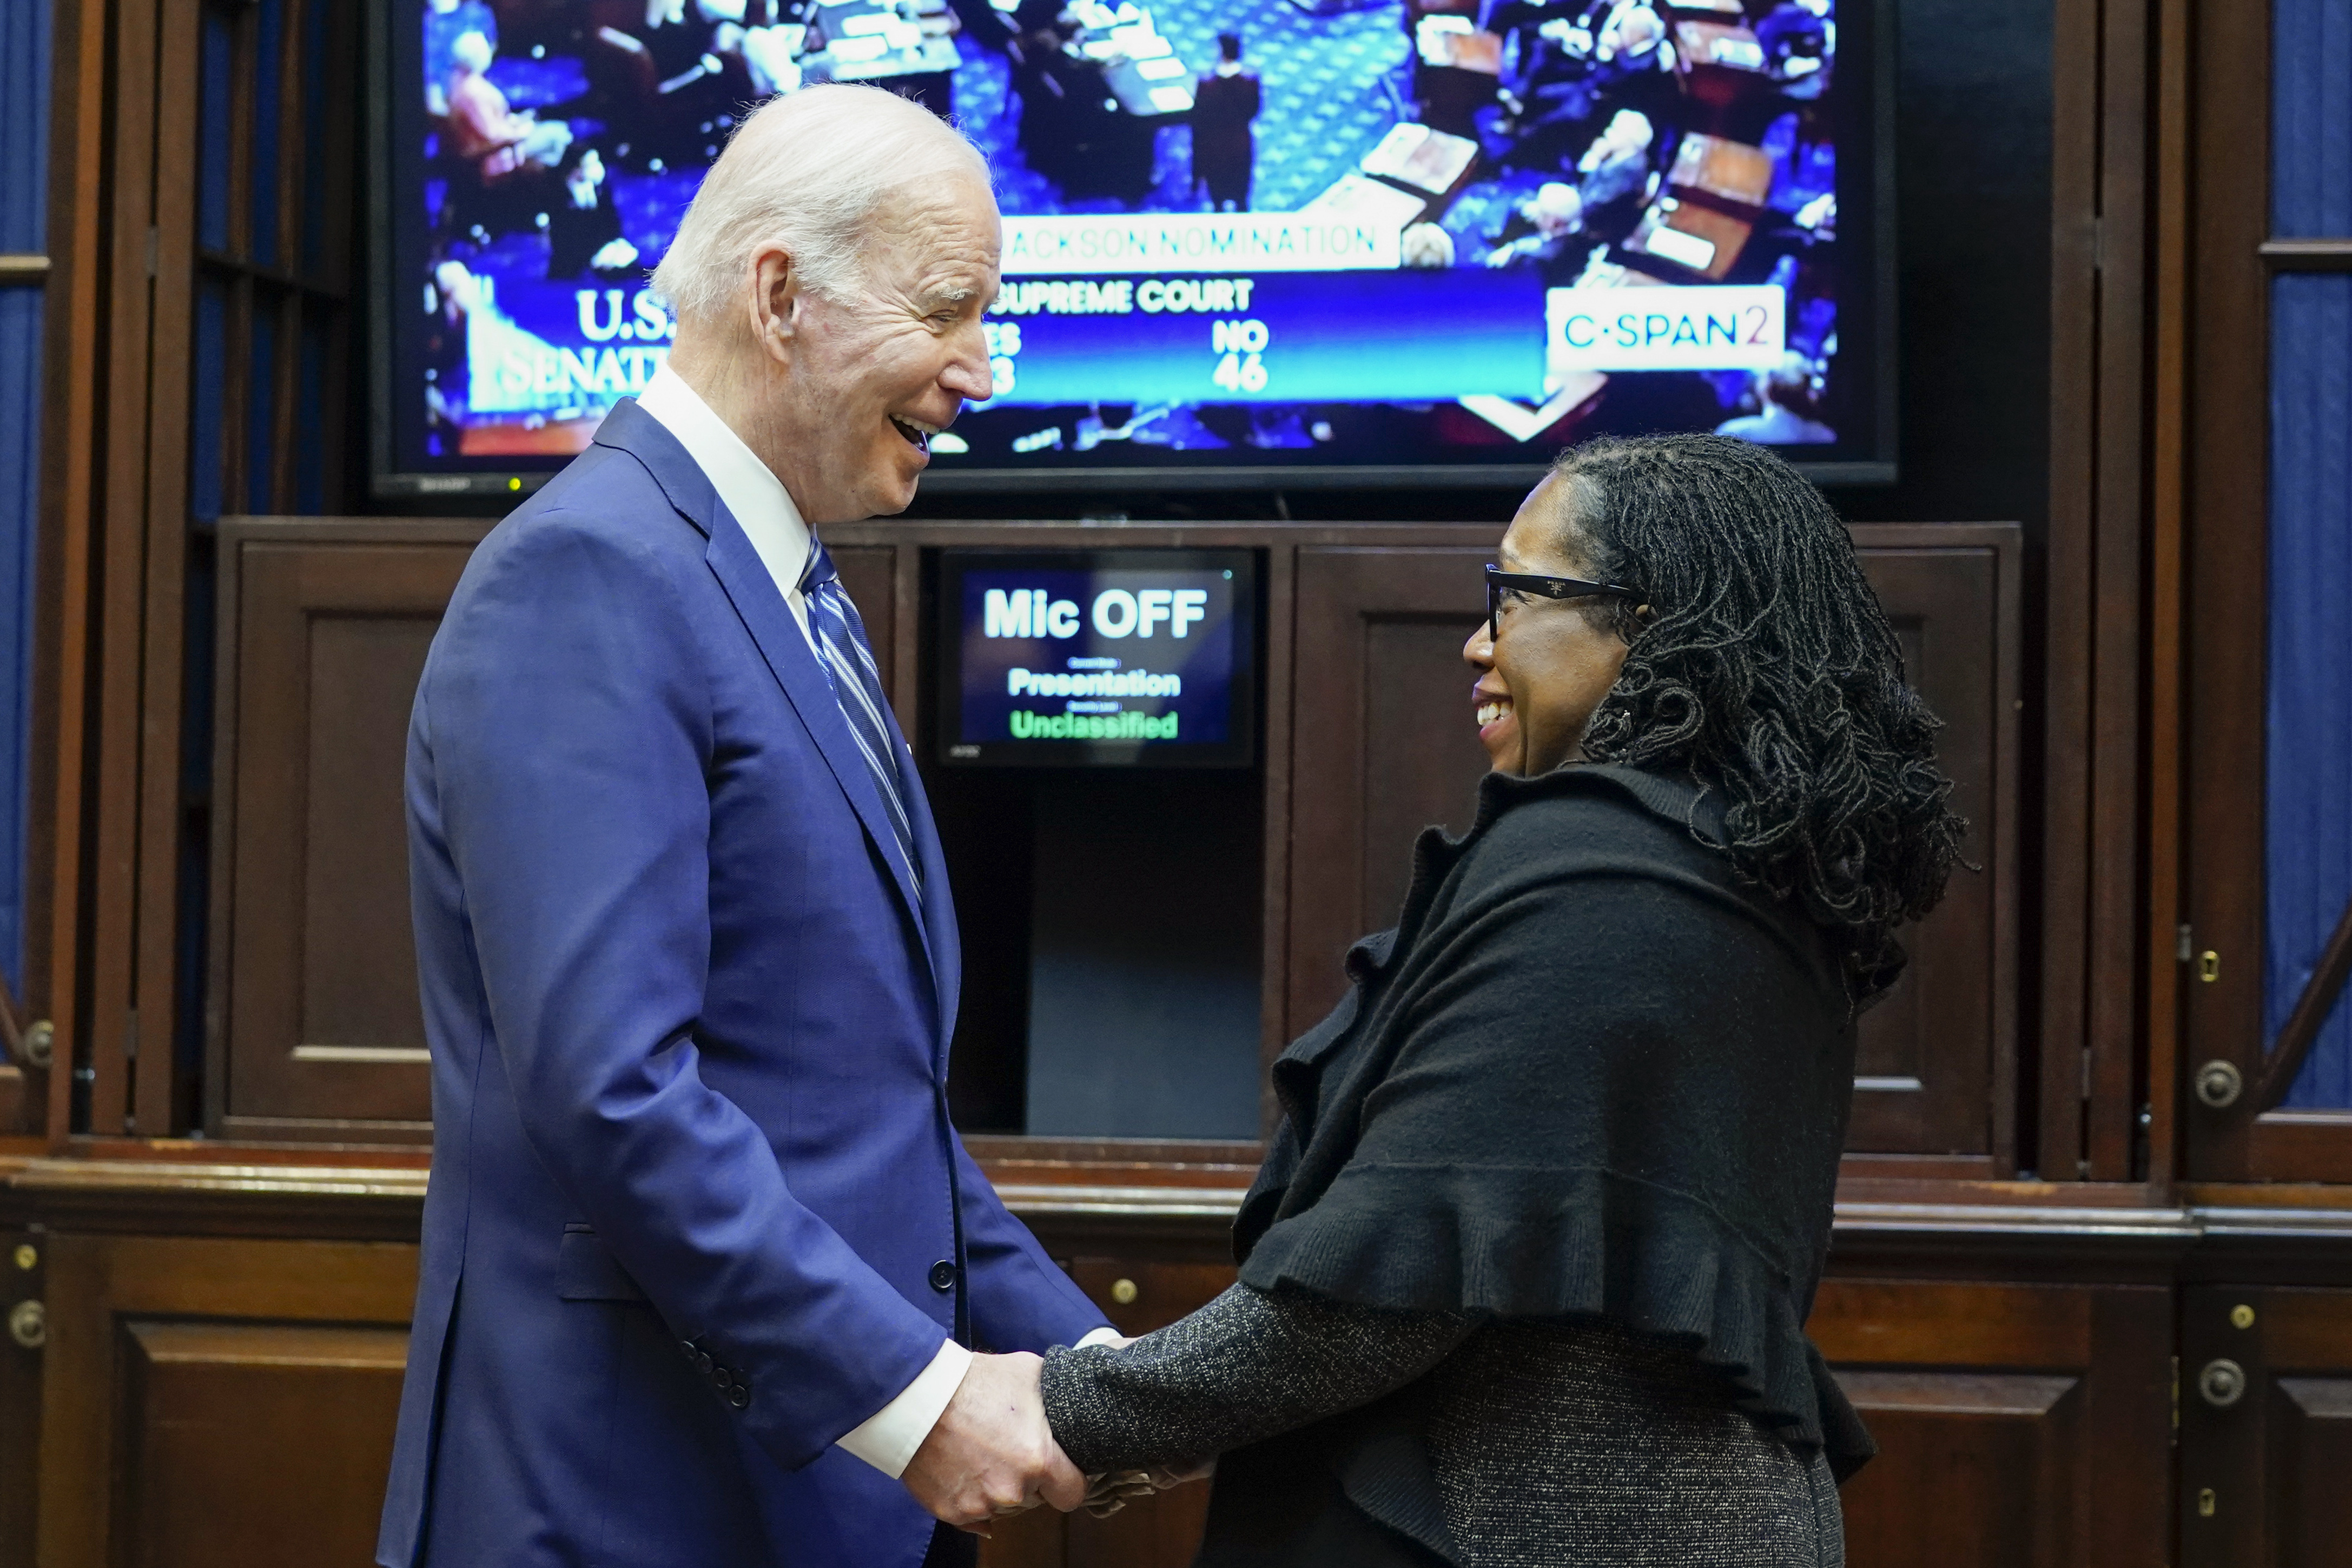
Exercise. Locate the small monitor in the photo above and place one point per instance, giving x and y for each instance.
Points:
(1098, 658)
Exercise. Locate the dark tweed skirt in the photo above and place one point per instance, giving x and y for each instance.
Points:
(1580, 1443)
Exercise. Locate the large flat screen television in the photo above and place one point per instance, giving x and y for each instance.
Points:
(1094, 658)
(1245, 241)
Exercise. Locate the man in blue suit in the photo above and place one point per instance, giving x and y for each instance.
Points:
(702, 1254)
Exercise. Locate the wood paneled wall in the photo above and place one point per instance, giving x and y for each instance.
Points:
(314, 1028)
(226, 1394)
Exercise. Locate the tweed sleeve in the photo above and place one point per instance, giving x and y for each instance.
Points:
(1249, 1366)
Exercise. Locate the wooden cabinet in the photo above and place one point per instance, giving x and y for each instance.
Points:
(2020, 1426)
(226, 1394)
(315, 1027)
(2031, 1417)
(23, 1270)
(2265, 1427)
(1383, 744)
(223, 1402)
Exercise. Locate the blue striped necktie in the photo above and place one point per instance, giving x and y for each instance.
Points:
(848, 661)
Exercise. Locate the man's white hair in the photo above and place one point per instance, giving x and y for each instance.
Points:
(474, 51)
(803, 171)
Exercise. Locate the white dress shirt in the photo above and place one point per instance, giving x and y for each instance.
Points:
(763, 509)
(750, 488)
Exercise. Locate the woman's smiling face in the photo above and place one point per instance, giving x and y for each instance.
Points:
(1547, 664)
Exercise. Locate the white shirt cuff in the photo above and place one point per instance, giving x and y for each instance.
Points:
(887, 1439)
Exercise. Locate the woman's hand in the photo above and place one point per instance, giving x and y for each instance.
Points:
(1106, 1494)
(1109, 1492)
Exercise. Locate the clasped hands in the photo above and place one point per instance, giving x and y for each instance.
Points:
(992, 1453)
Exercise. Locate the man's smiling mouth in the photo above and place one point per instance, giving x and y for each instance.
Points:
(917, 431)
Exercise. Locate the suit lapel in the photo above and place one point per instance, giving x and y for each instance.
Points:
(781, 643)
(785, 647)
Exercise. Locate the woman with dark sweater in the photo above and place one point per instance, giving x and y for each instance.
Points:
(1524, 1279)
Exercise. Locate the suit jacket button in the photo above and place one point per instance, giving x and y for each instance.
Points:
(739, 1397)
(943, 1276)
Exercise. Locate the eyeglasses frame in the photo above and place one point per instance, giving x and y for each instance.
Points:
(1543, 583)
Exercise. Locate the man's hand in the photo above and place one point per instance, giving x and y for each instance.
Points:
(992, 1452)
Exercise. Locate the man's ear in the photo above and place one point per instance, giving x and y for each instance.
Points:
(775, 302)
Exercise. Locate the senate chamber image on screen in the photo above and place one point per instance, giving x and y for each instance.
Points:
(1239, 235)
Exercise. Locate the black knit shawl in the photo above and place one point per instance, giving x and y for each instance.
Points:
(1590, 1073)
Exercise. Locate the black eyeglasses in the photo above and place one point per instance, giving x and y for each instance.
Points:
(1499, 583)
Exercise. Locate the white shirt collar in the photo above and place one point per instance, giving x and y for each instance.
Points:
(748, 488)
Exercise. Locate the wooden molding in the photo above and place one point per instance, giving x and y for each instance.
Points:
(2311, 1012)
(2307, 255)
(2040, 1230)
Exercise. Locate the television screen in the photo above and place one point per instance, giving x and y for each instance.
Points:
(1116, 658)
(1272, 240)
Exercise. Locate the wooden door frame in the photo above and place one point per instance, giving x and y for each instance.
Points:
(2225, 425)
(64, 633)
(96, 565)
(2105, 1100)
(104, 957)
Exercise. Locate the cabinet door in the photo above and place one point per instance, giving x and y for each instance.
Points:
(316, 1026)
(2018, 1425)
(1383, 744)
(219, 1402)
(2266, 1427)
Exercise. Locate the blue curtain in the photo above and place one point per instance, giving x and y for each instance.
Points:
(2309, 765)
(2309, 817)
(2311, 120)
(24, 198)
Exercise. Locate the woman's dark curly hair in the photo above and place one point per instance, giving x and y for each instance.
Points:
(1766, 669)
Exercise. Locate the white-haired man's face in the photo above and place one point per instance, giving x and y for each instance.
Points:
(879, 368)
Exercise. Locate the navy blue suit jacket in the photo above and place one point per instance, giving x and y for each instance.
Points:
(690, 1023)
